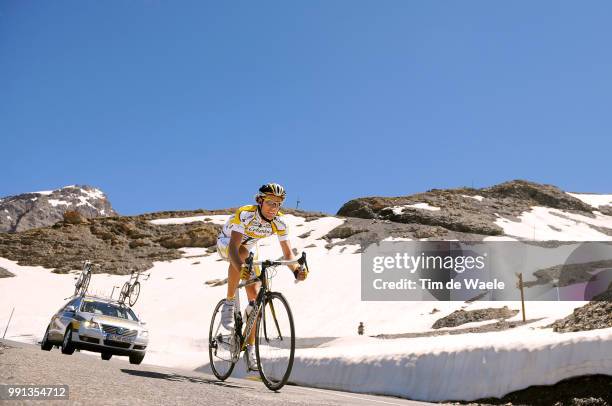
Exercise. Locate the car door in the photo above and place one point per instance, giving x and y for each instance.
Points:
(66, 316)
(54, 326)
(56, 331)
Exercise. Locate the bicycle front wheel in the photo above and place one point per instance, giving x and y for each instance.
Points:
(275, 341)
(222, 346)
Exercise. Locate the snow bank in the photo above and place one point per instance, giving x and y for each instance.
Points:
(460, 367)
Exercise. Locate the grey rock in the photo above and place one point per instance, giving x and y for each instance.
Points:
(607, 210)
(4, 273)
(366, 232)
(537, 194)
(461, 316)
(593, 315)
(40, 209)
(344, 231)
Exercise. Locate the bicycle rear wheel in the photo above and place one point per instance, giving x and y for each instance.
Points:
(78, 284)
(134, 293)
(275, 341)
(85, 284)
(222, 346)
(125, 290)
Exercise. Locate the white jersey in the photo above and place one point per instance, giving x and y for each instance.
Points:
(249, 222)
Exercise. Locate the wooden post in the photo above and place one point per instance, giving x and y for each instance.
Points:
(9, 322)
(520, 276)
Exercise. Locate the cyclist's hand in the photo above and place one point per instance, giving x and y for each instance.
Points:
(244, 272)
(300, 273)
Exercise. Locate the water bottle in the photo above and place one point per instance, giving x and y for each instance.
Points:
(248, 309)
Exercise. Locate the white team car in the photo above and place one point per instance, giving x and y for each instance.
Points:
(100, 325)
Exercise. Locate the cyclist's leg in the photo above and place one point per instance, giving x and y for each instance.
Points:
(233, 274)
(252, 291)
(252, 295)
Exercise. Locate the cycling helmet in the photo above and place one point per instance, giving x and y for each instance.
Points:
(271, 189)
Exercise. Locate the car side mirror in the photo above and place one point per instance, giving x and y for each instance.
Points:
(70, 309)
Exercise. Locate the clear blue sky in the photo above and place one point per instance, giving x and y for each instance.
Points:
(180, 105)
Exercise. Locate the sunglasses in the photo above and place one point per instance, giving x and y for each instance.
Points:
(273, 203)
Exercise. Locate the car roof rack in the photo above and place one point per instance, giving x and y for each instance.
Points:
(99, 297)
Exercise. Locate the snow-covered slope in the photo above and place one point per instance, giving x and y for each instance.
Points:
(544, 223)
(594, 200)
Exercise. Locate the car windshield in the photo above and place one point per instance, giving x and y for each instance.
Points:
(108, 309)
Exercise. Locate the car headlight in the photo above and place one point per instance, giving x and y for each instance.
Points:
(144, 334)
(91, 324)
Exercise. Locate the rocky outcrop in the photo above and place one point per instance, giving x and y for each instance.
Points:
(451, 219)
(593, 315)
(607, 210)
(117, 244)
(536, 195)
(4, 273)
(199, 236)
(364, 232)
(465, 210)
(41, 209)
(569, 274)
(74, 217)
(345, 231)
(461, 316)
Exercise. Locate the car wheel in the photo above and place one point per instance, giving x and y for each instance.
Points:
(67, 346)
(45, 345)
(136, 358)
(106, 356)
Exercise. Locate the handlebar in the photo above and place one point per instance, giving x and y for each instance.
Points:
(268, 263)
(139, 273)
(301, 260)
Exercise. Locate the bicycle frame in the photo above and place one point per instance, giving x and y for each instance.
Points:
(83, 278)
(259, 300)
(232, 342)
(131, 284)
(133, 279)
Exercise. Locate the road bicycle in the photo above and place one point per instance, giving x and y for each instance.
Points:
(275, 331)
(131, 289)
(82, 283)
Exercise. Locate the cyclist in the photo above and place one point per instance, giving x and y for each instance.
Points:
(239, 237)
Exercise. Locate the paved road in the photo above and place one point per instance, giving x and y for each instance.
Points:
(117, 382)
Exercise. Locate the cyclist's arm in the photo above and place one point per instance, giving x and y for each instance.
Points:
(234, 250)
(288, 254)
